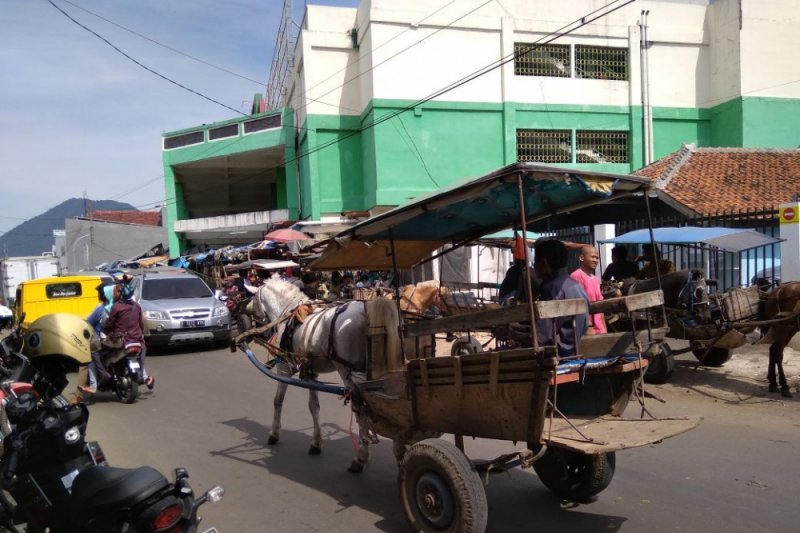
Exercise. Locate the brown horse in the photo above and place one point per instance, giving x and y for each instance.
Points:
(783, 301)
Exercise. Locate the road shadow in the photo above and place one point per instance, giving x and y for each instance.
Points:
(732, 383)
(515, 498)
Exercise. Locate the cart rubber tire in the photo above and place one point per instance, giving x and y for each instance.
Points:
(716, 357)
(441, 490)
(243, 323)
(575, 476)
(661, 366)
(465, 346)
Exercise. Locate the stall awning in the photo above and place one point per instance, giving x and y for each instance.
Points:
(725, 239)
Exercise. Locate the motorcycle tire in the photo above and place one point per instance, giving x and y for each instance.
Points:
(127, 389)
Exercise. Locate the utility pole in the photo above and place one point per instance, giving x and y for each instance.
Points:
(91, 238)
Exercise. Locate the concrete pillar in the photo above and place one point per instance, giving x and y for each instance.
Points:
(604, 232)
(790, 248)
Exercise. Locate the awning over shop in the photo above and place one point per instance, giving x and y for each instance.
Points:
(725, 239)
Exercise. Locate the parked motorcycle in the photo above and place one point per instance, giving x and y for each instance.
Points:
(52, 478)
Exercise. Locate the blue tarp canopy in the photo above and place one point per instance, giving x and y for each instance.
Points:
(725, 239)
(468, 210)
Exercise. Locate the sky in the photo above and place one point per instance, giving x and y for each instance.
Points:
(77, 118)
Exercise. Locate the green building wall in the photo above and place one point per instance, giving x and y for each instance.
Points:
(393, 152)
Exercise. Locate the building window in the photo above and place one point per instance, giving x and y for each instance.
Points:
(601, 62)
(231, 130)
(186, 139)
(259, 124)
(601, 146)
(535, 60)
(544, 146)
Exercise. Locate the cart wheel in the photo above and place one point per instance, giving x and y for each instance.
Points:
(575, 476)
(661, 366)
(465, 346)
(243, 323)
(441, 489)
(716, 357)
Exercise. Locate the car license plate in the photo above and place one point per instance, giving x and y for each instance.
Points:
(193, 323)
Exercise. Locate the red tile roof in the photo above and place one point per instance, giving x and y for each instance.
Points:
(145, 218)
(708, 180)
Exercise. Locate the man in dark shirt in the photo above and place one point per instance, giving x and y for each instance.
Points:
(550, 263)
(620, 268)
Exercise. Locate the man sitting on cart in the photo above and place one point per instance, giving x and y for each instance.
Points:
(550, 262)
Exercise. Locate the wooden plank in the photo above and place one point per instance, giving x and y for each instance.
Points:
(624, 304)
(620, 343)
(559, 308)
(458, 376)
(608, 433)
(469, 321)
(426, 387)
(516, 377)
(494, 370)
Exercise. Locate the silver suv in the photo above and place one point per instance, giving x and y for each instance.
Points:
(180, 308)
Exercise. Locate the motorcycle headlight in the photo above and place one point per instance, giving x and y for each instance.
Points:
(72, 435)
(155, 315)
(220, 311)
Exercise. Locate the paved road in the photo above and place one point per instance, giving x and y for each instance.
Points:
(211, 411)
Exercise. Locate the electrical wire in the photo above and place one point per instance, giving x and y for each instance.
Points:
(564, 30)
(162, 45)
(142, 65)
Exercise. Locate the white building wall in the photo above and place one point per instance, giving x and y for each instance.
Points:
(409, 50)
(770, 41)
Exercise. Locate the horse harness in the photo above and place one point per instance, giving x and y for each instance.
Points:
(332, 355)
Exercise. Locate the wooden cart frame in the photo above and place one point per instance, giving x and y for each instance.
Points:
(567, 411)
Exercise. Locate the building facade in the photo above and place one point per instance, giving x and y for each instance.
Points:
(390, 100)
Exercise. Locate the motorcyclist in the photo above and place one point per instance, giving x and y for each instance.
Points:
(87, 376)
(125, 321)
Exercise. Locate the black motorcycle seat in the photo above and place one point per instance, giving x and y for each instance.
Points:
(99, 489)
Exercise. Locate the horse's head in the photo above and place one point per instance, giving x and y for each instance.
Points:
(420, 297)
(276, 297)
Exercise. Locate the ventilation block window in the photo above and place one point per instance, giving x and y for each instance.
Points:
(260, 124)
(541, 60)
(544, 146)
(231, 130)
(601, 146)
(601, 62)
(186, 139)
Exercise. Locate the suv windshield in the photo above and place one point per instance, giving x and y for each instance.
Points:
(167, 289)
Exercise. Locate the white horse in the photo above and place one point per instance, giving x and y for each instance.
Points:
(331, 338)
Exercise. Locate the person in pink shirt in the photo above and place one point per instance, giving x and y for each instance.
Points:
(588, 260)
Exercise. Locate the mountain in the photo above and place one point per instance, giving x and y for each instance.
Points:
(35, 236)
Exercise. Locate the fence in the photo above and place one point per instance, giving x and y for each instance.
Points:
(729, 269)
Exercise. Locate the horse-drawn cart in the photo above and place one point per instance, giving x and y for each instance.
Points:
(714, 322)
(566, 410)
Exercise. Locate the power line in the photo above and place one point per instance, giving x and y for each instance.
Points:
(162, 45)
(170, 80)
(544, 40)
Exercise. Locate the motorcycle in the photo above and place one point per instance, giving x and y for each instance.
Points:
(52, 479)
(123, 373)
